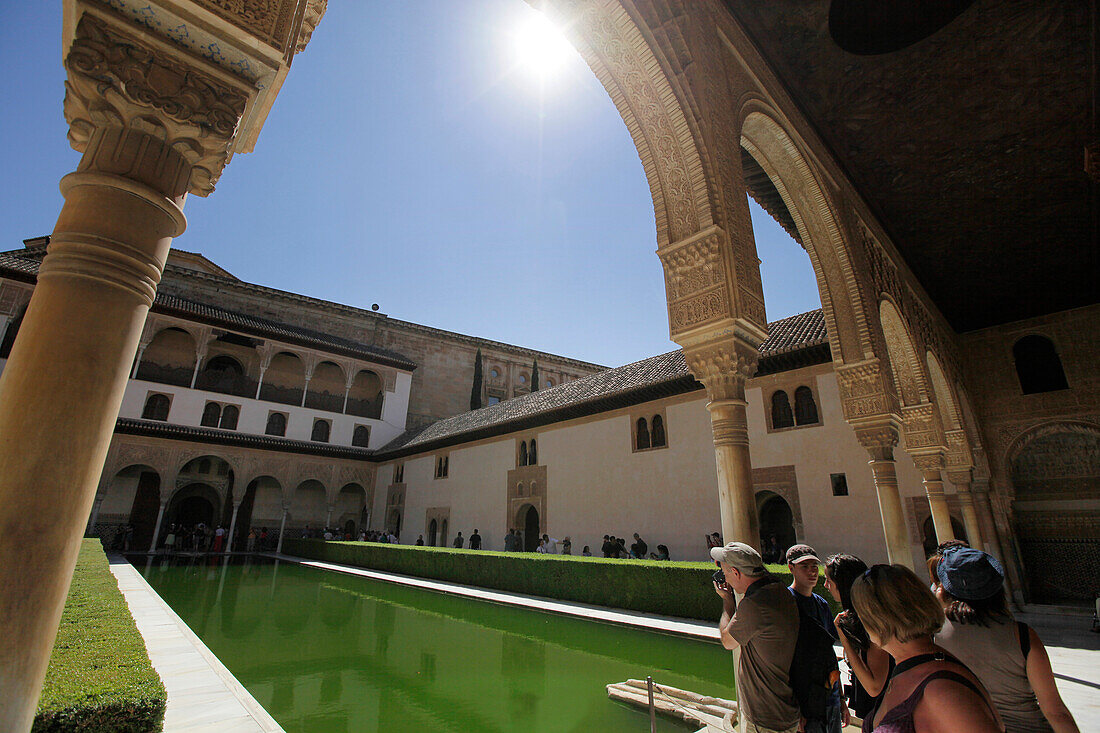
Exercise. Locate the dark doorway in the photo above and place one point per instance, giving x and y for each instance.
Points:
(776, 520)
(531, 529)
(195, 510)
(143, 512)
(929, 530)
(244, 516)
(349, 528)
(433, 530)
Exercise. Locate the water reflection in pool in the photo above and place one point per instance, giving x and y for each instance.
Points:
(324, 651)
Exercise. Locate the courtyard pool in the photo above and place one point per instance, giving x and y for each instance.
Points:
(324, 651)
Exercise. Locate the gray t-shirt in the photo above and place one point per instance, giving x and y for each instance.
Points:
(766, 626)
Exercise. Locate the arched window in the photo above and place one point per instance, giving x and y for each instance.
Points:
(446, 461)
(361, 436)
(211, 415)
(519, 489)
(642, 434)
(658, 433)
(523, 453)
(276, 424)
(10, 334)
(438, 467)
(230, 414)
(156, 407)
(1038, 365)
(320, 431)
(782, 417)
(533, 455)
(805, 409)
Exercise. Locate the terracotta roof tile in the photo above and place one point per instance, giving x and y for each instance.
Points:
(646, 379)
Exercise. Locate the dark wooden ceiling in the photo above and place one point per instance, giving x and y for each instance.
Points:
(968, 145)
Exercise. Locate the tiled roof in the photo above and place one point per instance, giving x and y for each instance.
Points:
(635, 383)
(174, 305)
(215, 436)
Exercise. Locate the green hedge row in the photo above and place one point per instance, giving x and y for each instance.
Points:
(681, 589)
(100, 677)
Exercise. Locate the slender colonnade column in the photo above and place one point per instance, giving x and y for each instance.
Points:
(930, 466)
(122, 208)
(880, 442)
(961, 480)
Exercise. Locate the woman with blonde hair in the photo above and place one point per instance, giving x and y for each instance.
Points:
(1007, 655)
(929, 691)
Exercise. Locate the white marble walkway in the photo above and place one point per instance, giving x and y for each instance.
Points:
(203, 696)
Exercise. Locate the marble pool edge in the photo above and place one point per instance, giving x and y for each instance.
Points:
(203, 695)
(689, 628)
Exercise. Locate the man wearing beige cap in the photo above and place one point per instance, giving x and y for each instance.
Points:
(765, 626)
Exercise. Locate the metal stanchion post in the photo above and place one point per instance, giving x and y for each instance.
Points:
(652, 709)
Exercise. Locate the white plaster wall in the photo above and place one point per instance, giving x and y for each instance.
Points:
(596, 485)
(188, 404)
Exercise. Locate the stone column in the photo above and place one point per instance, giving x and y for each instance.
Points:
(156, 530)
(724, 369)
(122, 209)
(962, 481)
(931, 466)
(718, 319)
(232, 526)
(984, 513)
(328, 516)
(880, 442)
(347, 391)
(200, 354)
(142, 345)
(282, 532)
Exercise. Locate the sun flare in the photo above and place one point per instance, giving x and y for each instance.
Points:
(540, 47)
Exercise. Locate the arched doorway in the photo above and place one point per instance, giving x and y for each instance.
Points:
(1056, 477)
(530, 529)
(143, 512)
(193, 504)
(928, 534)
(433, 531)
(776, 525)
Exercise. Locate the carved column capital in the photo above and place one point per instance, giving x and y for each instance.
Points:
(879, 440)
(928, 463)
(723, 367)
(962, 480)
(119, 77)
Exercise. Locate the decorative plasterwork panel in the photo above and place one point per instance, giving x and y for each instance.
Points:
(695, 281)
(863, 390)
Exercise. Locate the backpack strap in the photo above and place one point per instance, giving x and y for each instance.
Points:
(1025, 638)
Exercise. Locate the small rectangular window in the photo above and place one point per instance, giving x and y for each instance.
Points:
(840, 484)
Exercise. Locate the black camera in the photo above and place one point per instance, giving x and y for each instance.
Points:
(719, 577)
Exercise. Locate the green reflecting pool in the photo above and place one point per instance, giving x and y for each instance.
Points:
(329, 652)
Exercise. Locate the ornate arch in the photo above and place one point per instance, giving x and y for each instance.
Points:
(770, 145)
(620, 55)
(909, 379)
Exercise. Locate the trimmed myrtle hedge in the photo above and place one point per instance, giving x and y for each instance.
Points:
(681, 589)
(100, 677)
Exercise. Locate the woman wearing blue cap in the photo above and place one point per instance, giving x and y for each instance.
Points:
(1007, 656)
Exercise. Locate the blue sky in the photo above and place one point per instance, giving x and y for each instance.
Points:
(410, 161)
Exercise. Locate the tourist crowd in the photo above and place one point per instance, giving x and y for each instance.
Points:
(945, 659)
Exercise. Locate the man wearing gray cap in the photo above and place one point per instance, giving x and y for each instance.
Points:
(765, 626)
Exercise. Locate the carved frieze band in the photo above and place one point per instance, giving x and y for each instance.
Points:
(923, 430)
(863, 391)
(695, 281)
(958, 451)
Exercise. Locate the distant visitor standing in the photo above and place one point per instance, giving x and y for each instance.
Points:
(475, 541)
(458, 541)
